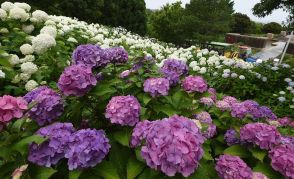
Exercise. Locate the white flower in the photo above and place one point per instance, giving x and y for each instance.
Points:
(282, 99)
(227, 71)
(225, 75)
(276, 60)
(50, 22)
(193, 64)
(291, 84)
(29, 68)
(39, 16)
(291, 106)
(2, 74)
(288, 80)
(3, 14)
(14, 60)
(198, 123)
(27, 58)
(289, 88)
(259, 61)
(18, 14)
(42, 43)
(28, 28)
(196, 68)
(242, 77)
(215, 74)
(274, 123)
(7, 6)
(26, 49)
(282, 93)
(16, 79)
(51, 30)
(234, 75)
(199, 54)
(264, 79)
(73, 40)
(31, 85)
(24, 76)
(24, 6)
(202, 70)
(275, 68)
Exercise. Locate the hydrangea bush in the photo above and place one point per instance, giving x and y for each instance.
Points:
(116, 105)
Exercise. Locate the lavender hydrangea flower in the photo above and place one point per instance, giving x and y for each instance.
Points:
(238, 110)
(76, 80)
(253, 109)
(231, 137)
(123, 110)
(173, 69)
(287, 140)
(51, 151)
(285, 121)
(223, 105)
(171, 145)
(49, 105)
(204, 117)
(193, 84)
(231, 100)
(263, 135)
(210, 131)
(212, 93)
(140, 132)
(267, 113)
(283, 160)
(118, 55)
(87, 148)
(232, 167)
(258, 175)
(156, 86)
(125, 74)
(87, 55)
(207, 101)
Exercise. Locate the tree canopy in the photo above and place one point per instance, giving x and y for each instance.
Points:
(241, 23)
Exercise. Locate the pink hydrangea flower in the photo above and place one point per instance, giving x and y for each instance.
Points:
(11, 107)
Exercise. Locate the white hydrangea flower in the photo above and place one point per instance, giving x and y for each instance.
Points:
(282, 93)
(264, 79)
(39, 16)
(215, 74)
(51, 30)
(42, 43)
(234, 75)
(14, 60)
(16, 79)
(227, 71)
(202, 70)
(196, 68)
(193, 64)
(50, 22)
(73, 40)
(288, 80)
(24, 6)
(225, 75)
(2, 74)
(24, 77)
(282, 99)
(242, 77)
(289, 88)
(28, 28)
(3, 14)
(18, 14)
(31, 85)
(26, 49)
(275, 68)
(7, 6)
(291, 106)
(29, 68)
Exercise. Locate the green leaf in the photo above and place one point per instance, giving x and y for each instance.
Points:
(176, 98)
(17, 124)
(138, 155)
(134, 168)
(123, 136)
(237, 150)
(119, 156)
(166, 109)
(267, 170)
(75, 174)
(146, 99)
(4, 62)
(44, 173)
(258, 154)
(149, 174)
(106, 170)
(22, 146)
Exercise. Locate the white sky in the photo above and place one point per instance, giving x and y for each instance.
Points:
(243, 6)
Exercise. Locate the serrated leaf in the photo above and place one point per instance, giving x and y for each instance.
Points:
(237, 150)
(106, 170)
(258, 154)
(267, 170)
(75, 174)
(22, 145)
(123, 136)
(146, 99)
(134, 168)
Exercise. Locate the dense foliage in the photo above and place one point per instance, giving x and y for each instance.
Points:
(241, 23)
(83, 100)
(272, 27)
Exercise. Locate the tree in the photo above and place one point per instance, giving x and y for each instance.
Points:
(167, 24)
(272, 27)
(241, 23)
(208, 19)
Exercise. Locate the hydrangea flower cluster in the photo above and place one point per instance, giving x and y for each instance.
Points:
(223, 105)
(193, 84)
(173, 69)
(118, 55)
(231, 100)
(49, 105)
(204, 117)
(231, 167)
(123, 110)
(231, 137)
(210, 128)
(263, 135)
(156, 86)
(283, 160)
(87, 55)
(76, 80)
(207, 101)
(171, 145)
(286, 121)
(210, 131)
(51, 151)
(258, 175)
(11, 107)
(87, 148)
(212, 93)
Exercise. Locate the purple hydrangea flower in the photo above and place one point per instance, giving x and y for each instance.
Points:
(207, 101)
(204, 117)
(171, 145)
(263, 135)
(212, 93)
(125, 74)
(87, 148)
(193, 84)
(223, 105)
(156, 86)
(285, 121)
(231, 137)
(87, 55)
(287, 140)
(118, 55)
(232, 167)
(238, 110)
(123, 110)
(267, 113)
(231, 100)
(258, 175)
(283, 160)
(210, 131)
(76, 80)
(253, 109)
(51, 151)
(49, 105)
(173, 69)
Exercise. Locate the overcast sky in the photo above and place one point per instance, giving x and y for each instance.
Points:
(243, 6)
